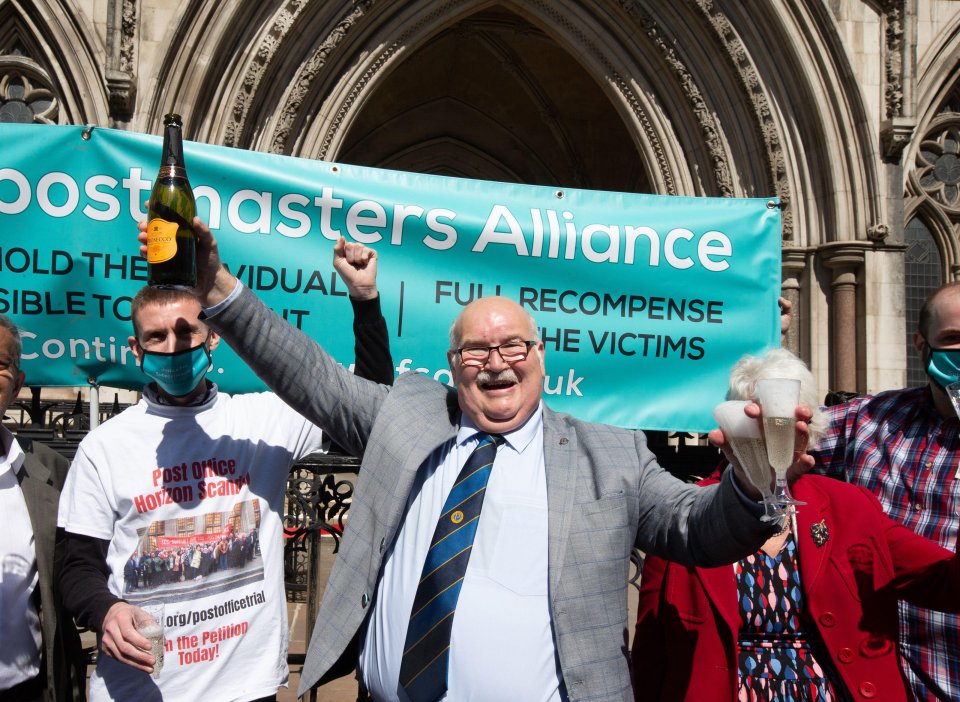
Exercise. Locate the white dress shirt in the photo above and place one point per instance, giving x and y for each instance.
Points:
(501, 646)
(20, 635)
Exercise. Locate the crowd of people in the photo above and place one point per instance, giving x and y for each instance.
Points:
(488, 547)
(149, 569)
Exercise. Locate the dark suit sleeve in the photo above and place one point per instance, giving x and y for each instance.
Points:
(83, 578)
(371, 342)
(300, 371)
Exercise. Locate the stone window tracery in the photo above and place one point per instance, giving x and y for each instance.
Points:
(26, 92)
(938, 162)
(931, 230)
(922, 275)
(25, 100)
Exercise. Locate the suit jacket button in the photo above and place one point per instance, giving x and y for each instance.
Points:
(845, 655)
(868, 689)
(827, 619)
(364, 600)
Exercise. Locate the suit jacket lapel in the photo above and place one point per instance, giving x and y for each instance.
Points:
(560, 462)
(42, 500)
(404, 469)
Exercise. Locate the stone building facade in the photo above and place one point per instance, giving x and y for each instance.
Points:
(848, 110)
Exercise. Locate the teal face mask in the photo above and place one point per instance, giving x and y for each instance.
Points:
(177, 373)
(943, 365)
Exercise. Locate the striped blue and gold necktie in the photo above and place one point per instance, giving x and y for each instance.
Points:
(426, 652)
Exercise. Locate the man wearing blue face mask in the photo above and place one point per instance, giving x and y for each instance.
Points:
(904, 445)
(176, 373)
(191, 482)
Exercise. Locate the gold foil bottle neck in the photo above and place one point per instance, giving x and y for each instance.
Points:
(172, 172)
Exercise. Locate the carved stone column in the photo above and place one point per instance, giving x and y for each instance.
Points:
(794, 264)
(845, 260)
(120, 69)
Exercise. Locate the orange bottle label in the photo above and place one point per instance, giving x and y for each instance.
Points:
(161, 240)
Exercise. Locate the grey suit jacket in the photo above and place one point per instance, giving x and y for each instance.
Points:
(41, 477)
(605, 492)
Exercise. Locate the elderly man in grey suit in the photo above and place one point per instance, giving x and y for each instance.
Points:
(541, 608)
(40, 658)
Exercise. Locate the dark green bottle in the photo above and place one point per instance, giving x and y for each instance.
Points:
(171, 241)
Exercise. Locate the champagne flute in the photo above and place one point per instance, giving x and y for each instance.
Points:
(778, 398)
(744, 436)
(149, 620)
(953, 392)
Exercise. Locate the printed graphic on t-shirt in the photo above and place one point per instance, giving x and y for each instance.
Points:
(197, 556)
(191, 502)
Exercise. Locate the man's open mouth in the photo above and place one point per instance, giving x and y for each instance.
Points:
(497, 384)
(497, 381)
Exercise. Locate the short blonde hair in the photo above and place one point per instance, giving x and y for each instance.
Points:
(778, 363)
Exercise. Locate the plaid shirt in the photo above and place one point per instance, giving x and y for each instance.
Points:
(897, 445)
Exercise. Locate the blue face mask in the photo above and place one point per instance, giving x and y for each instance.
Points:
(943, 365)
(177, 373)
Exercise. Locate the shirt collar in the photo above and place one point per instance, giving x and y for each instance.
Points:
(518, 439)
(200, 404)
(13, 455)
(921, 407)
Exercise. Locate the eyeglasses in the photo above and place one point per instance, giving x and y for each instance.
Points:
(510, 352)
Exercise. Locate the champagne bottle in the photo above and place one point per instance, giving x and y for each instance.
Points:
(171, 241)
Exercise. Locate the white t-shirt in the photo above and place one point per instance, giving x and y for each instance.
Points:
(190, 499)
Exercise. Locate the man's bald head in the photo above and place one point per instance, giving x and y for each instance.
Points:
(497, 395)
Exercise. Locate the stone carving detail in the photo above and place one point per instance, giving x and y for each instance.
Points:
(878, 232)
(649, 133)
(243, 99)
(893, 59)
(895, 135)
(128, 28)
(708, 125)
(121, 57)
(767, 128)
(309, 71)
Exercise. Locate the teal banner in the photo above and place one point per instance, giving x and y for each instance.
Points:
(643, 302)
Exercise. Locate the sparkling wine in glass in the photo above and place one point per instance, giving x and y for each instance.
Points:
(745, 438)
(778, 398)
(149, 623)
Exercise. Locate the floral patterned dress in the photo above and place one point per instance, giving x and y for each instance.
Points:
(778, 660)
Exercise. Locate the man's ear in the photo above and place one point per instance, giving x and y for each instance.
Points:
(18, 382)
(920, 344)
(136, 348)
(213, 341)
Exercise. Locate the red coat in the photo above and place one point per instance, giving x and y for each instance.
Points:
(685, 642)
